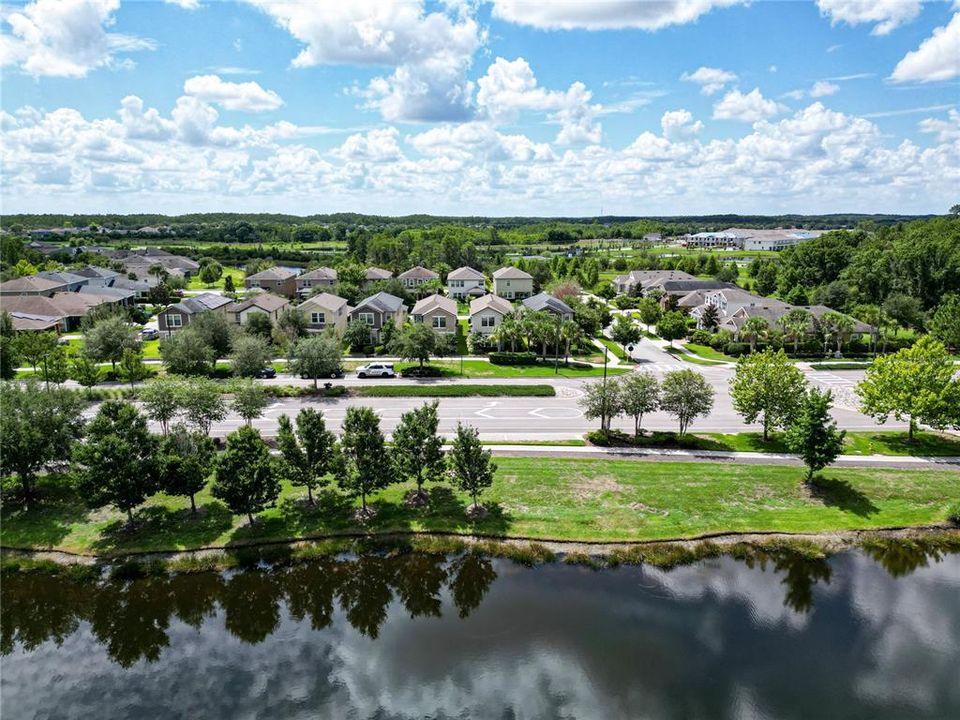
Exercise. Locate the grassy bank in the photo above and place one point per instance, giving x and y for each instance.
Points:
(867, 442)
(536, 498)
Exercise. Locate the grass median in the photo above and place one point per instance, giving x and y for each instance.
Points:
(455, 391)
(540, 498)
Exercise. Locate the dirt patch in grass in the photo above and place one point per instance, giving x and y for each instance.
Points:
(644, 508)
(586, 488)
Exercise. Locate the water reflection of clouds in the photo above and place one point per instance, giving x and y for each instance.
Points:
(711, 640)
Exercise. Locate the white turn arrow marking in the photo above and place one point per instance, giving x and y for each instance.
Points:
(482, 412)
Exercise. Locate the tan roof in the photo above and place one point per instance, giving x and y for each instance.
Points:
(265, 301)
(273, 273)
(327, 301)
(72, 304)
(418, 272)
(435, 302)
(321, 273)
(491, 302)
(375, 273)
(32, 284)
(25, 321)
(465, 273)
(511, 273)
(31, 305)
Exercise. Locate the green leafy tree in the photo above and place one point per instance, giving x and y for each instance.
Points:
(246, 479)
(228, 286)
(639, 394)
(35, 346)
(55, 367)
(945, 323)
(316, 357)
(767, 386)
(838, 326)
(415, 342)
(186, 460)
(9, 357)
(686, 395)
(308, 452)
(601, 400)
(118, 463)
(259, 325)
(471, 466)
(813, 433)
(211, 272)
(161, 400)
(672, 326)
(357, 335)
(186, 353)
(765, 281)
(710, 318)
(291, 326)
(418, 449)
(107, 339)
(905, 309)
(202, 404)
(37, 428)
(249, 400)
(217, 332)
(755, 328)
(85, 370)
(795, 325)
(249, 356)
(625, 330)
(915, 384)
(132, 368)
(364, 464)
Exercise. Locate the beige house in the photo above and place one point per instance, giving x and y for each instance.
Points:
(487, 312)
(417, 276)
(319, 278)
(512, 283)
(324, 311)
(437, 312)
(375, 274)
(264, 303)
(281, 281)
(465, 282)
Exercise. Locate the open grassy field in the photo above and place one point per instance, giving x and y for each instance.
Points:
(708, 353)
(862, 442)
(236, 273)
(541, 498)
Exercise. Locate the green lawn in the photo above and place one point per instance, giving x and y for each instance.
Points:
(868, 442)
(540, 498)
(615, 348)
(450, 367)
(236, 273)
(687, 357)
(708, 353)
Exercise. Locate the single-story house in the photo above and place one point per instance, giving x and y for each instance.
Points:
(72, 281)
(322, 277)
(32, 285)
(545, 302)
(626, 284)
(278, 280)
(378, 310)
(99, 276)
(465, 282)
(264, 303)
(25, 322)
(512, 283)
(487, 312)
(177, 316)
(438, 312)
(323, 311)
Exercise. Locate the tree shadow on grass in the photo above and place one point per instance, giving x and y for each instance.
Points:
(841, 494)
(924, 443)
(162, 528)
(47, 520)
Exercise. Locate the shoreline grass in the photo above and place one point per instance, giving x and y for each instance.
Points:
(537, 499)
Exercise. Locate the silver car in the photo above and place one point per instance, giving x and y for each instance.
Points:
(376, 370)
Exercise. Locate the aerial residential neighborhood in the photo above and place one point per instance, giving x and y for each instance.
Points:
(479, 360)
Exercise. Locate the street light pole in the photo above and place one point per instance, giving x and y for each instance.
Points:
(556, 348)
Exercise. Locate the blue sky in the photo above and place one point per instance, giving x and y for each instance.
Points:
(503, 107)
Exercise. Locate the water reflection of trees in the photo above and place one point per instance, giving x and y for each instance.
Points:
(131, 618)
(800, 573)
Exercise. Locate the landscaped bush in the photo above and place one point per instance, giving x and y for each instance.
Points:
(735, 349)
(479, 344)
(415, 371)
(700, 337)
(720, 339)
(513, 358)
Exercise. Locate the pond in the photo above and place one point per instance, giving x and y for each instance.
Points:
(859, 635)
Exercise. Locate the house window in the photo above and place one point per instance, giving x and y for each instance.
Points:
(440, 321)
(366, 318)
(488, 321)
(318, 318)
(174, 320)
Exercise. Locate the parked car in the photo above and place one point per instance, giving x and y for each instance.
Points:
(376, 370)
(338, 373)
(149, 334)
(266, 373)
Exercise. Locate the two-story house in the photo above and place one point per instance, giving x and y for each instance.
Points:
(278, 280)
(512, 283)
(324, 311)
(545, 302)
(322, 278)
(487, 313)
(177, 316)
(465, 282)
(437, 312)
(417, 276)
(375, 274)
(379, 310)
(264, 303)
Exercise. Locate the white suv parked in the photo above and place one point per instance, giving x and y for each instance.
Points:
(376, 370)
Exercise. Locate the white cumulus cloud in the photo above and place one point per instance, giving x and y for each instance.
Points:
(887, 14)
(64, 38)
(748, 107)
(823, 88)
(680, 125)
(605, 14)
(711, 80)
(247, 96)
(937, 58)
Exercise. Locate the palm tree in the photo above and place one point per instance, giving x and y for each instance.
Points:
(839, 326)
(795, 324)
(754, 327)
(571, 334)
(872, 315)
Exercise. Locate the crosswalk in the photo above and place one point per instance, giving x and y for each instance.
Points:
(830, 380)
